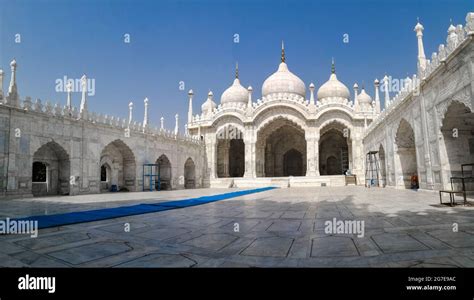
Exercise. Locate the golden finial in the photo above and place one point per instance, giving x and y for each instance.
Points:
(236, 70)
(333, 67)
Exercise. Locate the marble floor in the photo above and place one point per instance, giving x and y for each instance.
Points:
(275, 228)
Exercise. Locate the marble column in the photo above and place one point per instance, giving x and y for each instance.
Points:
(211, 149)
(426, 144)
(260, 160)
(312, 152)
(250, 153)
(225, 163)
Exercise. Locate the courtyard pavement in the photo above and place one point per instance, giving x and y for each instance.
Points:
(275, 228)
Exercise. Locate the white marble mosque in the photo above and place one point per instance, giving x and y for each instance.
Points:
(294, 135)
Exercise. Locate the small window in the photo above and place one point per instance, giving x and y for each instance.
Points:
(103, 173)
(39, 172)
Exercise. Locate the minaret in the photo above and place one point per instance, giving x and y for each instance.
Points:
(311, 97)
(1, 84)
(190, 106)
(377, 98)
(162, 123)
(83, 107)
(145, 117)
(69, 98)
(12, 89)
(130, 109)
(421, 51)
(356, 103)
(249, 103)
(176, 126)
(387, 95)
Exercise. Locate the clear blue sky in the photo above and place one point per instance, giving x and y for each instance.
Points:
(192, 41)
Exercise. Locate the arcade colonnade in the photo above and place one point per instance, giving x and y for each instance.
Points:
(282, 147)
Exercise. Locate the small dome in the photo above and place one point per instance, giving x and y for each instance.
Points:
(13, 63)
(363, 97)
(333, 88)
(236, 93)
(418, 27)
(451, 28)
(283, 81)
(209, 105)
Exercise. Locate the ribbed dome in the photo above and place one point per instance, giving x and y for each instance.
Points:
(283, 81)
(333, 88)
(236, 93)
(363, 97)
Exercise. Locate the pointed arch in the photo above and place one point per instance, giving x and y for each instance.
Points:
(189, 174)
(120, 159)
(51, 170)
(406, 162)
(457, 141)
(165, 172)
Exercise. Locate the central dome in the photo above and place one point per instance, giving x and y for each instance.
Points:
(283, 81)
(236, 93)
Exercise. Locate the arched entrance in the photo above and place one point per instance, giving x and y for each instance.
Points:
(105, 177)
(230, 152)
(334, 154)
(281, 149)
(406, 164)
(458, 136)
(165, 173)
(189, 174)
(117, 167)
(50, 170)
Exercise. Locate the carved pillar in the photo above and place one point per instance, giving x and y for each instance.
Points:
(225, 163)
(269, 161)
(250, 152)
(312, 152)
(426, 145)
(357, 155)
(353, 156)
(211, 149)
(260, 159)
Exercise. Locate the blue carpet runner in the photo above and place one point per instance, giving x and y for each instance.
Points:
(46, 221)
